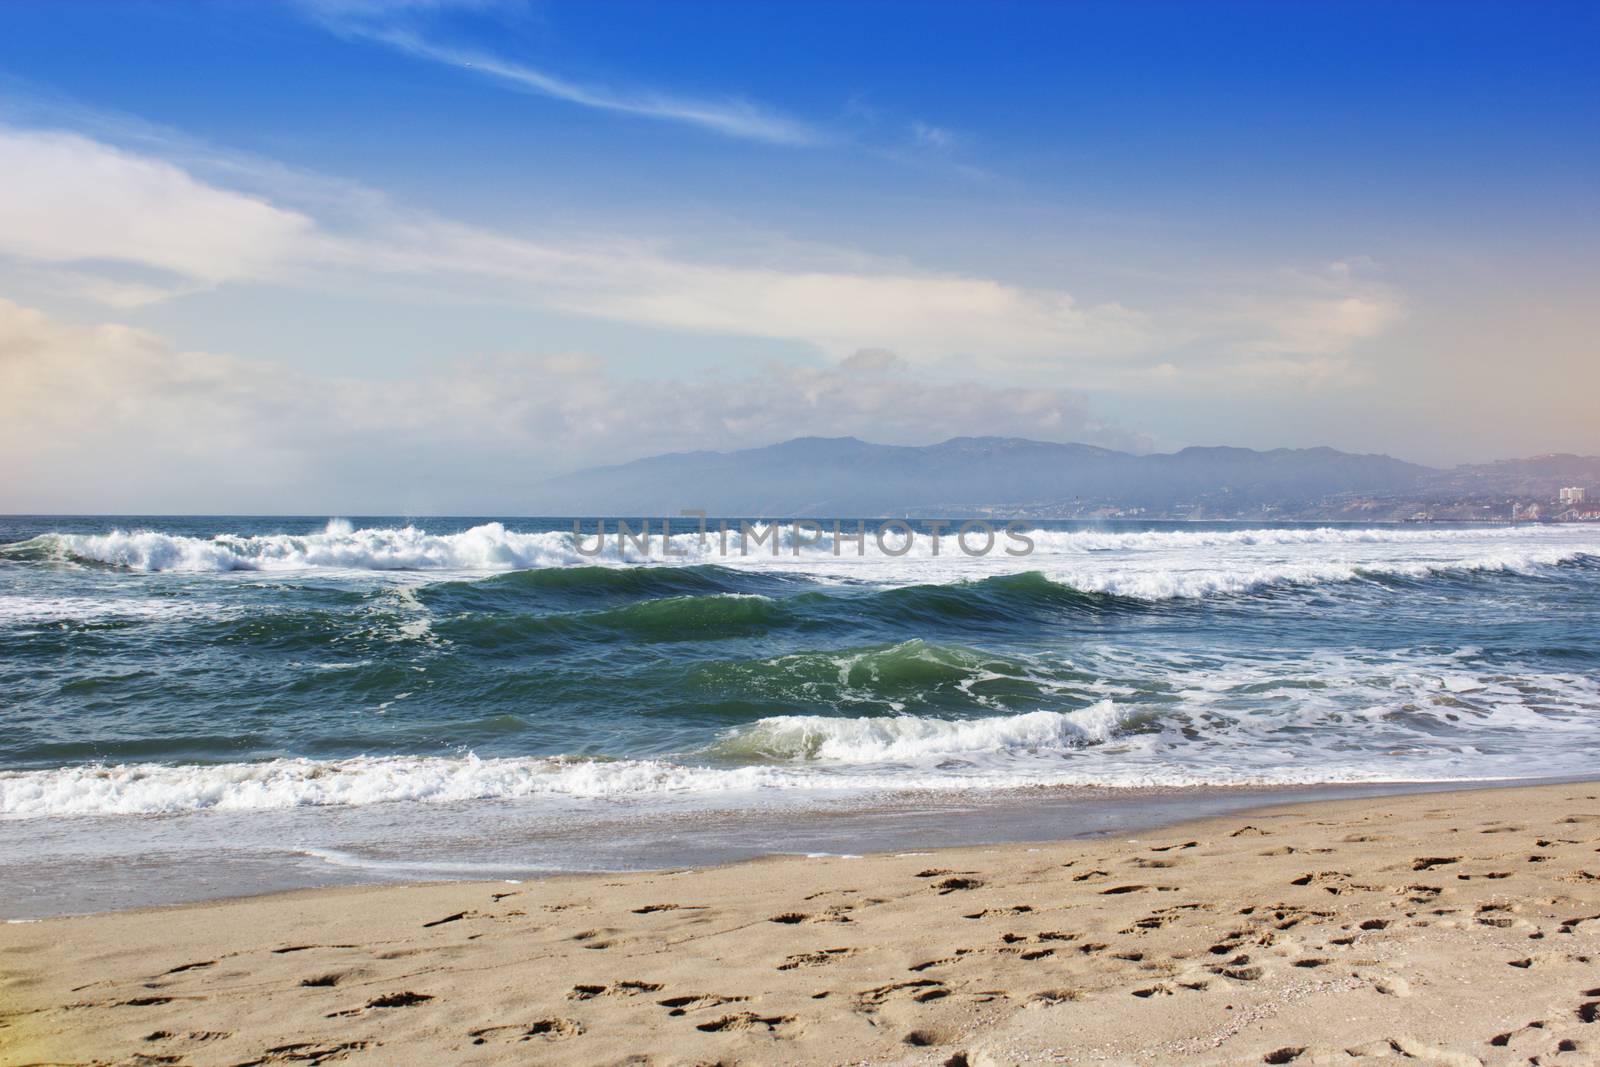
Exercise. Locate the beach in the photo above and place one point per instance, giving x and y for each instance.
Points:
(1447, 928)
(711, 534)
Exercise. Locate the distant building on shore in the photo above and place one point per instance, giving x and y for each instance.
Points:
(1574, 494)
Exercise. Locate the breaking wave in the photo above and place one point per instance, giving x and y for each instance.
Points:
(151, 788)
(1198, 582)
(916, 739)
(491, 547)
(167, 789)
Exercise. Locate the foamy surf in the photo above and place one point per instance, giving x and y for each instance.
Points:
(487, 547)
(1145, 565)
(152, 788)
(160, 789)
(917, 739)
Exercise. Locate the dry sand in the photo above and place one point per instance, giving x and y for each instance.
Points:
(1456, 928)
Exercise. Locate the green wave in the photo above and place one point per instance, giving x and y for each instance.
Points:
(911, 673)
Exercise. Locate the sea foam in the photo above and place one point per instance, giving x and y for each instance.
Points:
(1147, 565)
(153, 788)
(165, 789)
(918, 739)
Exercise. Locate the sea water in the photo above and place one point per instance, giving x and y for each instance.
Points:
(194, 706)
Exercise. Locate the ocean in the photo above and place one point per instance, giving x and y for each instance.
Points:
(199, 707)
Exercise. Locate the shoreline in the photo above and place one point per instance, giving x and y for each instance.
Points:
(1367, 929)
(89, 865)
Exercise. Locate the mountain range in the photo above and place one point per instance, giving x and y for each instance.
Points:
(974, 476)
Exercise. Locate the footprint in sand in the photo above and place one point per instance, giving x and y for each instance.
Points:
(620, 989)
(326, 981)
(745, 1020)
(815, 959)
(543, 1029)
(1238, 968)
(1157, 919)
(596, 939)
(189, 967)
(1502, 1040)
(1020, 909)
(406, 999)
(951, 885)
(312, 1052)
(695, 1001)
(916, 968)
(192, 1035)
(921, 990)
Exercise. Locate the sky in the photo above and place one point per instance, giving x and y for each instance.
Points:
(416, 256)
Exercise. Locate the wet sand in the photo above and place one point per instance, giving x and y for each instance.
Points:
(1448, 928)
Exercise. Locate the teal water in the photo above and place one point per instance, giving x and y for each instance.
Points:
(189, 667)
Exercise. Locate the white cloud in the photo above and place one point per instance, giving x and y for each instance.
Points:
(1316, 320)
(66, 199)
(72, 201)
(126, 228)
(1327, 312)
(926, 315)
(112, 418)
(1292, 330)
(1325, 323)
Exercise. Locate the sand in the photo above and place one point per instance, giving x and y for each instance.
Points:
(1457, 928)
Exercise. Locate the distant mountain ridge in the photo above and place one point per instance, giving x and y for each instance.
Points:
(845, 476)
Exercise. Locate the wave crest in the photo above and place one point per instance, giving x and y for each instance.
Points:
(916, 739)
(151, 788)
(1069, 570)
(487, 547)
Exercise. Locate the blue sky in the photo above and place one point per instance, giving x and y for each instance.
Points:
(420, 253)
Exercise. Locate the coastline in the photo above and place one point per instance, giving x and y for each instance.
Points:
(1453, 927)
(88, 864)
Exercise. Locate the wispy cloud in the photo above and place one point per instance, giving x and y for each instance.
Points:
(732, 118)
(75, 205)
(398, 26)
(927, 135)
(125, 227)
